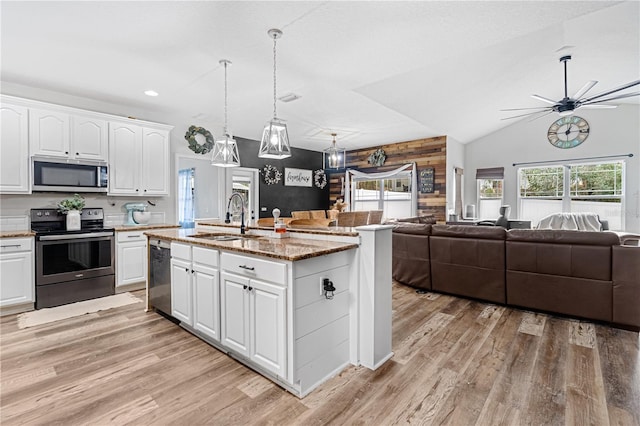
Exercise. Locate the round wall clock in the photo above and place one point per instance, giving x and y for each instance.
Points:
(568, 132)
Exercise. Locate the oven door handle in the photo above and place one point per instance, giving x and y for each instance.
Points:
(75, 236)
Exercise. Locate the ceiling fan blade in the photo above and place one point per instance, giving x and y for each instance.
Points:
(540, 116)
(599, 106)
(522, 109)
(543, 99)
(624, 86)
(588, 85)
(547, 110)
(626, 95)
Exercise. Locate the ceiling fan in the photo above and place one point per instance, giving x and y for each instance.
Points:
(567, 105)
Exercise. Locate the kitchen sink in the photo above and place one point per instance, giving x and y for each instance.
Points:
(225, 237)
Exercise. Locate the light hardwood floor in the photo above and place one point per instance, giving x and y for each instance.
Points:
(457, 362)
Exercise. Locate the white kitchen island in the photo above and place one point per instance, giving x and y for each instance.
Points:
(264, 301)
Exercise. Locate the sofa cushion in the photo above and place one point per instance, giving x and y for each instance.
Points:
(564, 237)
(580, 261)
(467, 231)
(577, 254)
(428, 219)
(469, 261)
(412, 228)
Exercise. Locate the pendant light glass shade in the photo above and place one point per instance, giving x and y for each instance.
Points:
(225, 149)
(225, 152)
(275, 137)
(334, 157)
(275, 141)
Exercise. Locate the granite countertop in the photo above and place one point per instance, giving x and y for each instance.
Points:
(322, 230)
(124, 228)
(17, 234)
(285, 249)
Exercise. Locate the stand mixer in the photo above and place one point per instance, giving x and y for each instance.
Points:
(136, 219)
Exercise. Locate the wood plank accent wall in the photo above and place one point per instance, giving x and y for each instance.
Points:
(431, 152)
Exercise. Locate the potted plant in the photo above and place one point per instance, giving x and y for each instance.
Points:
(72, 208)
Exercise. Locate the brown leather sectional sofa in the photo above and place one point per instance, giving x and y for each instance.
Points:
(583, 274)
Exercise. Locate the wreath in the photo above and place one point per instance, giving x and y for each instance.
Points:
(194, 146)
(320, 178)
(271, 175)
(377, 158)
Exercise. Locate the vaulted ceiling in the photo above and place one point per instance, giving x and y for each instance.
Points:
(374, 72)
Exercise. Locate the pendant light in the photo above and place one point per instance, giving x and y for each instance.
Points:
(334, 156)
(275, 138)
(225, 149)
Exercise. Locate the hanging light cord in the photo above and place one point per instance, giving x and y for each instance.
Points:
(274, 76)
(225, 99)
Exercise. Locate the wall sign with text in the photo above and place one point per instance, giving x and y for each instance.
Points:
(427, 177)
(298, 177)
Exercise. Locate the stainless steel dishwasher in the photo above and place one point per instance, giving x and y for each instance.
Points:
(160, 275)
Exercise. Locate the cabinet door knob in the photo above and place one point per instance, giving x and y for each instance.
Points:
(77, 153)
(137, 190)
(186, 269)
(244, 287)
(250, 288)
(66, 152)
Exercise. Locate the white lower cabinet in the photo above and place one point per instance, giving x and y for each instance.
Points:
(253, 321)
(16, 271)
(273, 315)
(131, 258)
(195, 290)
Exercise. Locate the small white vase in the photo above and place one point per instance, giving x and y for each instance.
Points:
(73, 220)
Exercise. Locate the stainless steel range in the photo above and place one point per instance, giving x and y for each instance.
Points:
(72, 265)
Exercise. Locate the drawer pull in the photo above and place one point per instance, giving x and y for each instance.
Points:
(248, 268)
(134, 236)
(11, 245)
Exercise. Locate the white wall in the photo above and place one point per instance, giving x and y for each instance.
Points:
(455, 158)
(613, 132)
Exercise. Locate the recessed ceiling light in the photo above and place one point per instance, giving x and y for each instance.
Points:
(151, 93)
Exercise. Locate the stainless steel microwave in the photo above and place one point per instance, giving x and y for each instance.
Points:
(55, 174)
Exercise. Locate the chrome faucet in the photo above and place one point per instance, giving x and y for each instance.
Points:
(242, 202)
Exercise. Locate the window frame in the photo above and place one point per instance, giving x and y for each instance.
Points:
(567, 197)
(480, 198)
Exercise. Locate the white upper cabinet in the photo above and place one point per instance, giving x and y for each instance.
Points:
(138, 159)
(155, 162)
(125, 150)
(76, 137)
(14, 149)
(89, 139)
(137, 152)
(49, 133)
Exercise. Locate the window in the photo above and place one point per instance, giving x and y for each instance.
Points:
(489, 198)
(596, 188)
(490, 189)
(186, 197)
(394, 191)
(391, 195)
